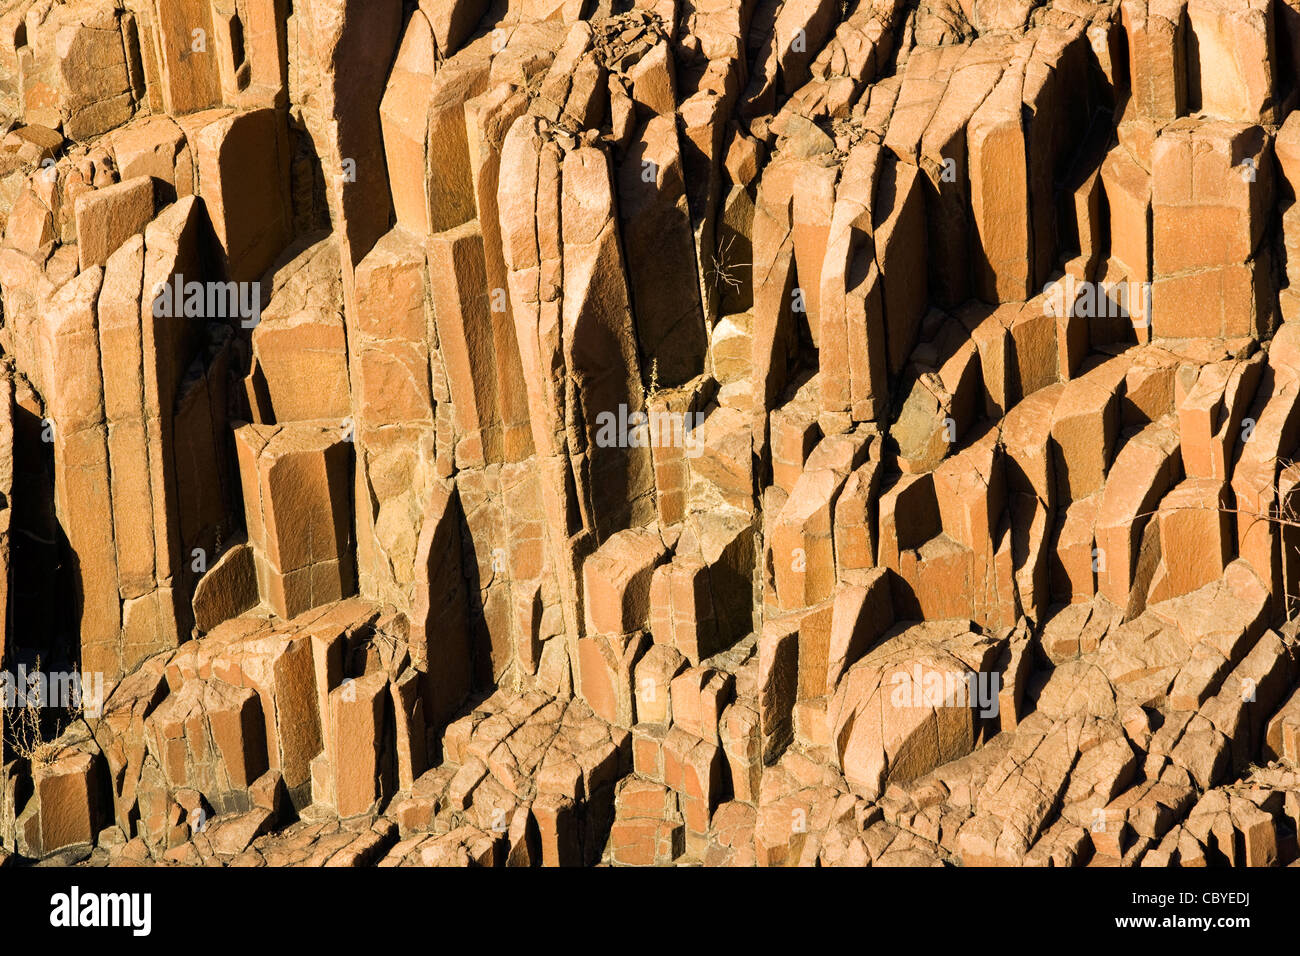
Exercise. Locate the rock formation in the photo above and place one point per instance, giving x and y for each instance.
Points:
(652, 432)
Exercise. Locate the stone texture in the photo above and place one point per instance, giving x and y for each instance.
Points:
(698, 434)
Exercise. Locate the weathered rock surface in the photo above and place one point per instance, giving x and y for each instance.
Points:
(753, 433)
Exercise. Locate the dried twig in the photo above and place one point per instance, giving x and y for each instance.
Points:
(23, 729)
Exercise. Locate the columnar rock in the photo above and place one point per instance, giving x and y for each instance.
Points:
(1229, 280)
(81, 476)
(389, 369)
(440, 617)
(78, 68)
(655, 225)
(295, 481)
(712, 433)
(300, 353)
(241, 166)
(348, 45)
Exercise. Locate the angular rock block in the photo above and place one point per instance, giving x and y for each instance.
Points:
(1207, 172)
(296, 482)
(66, 806)
(908, 707)
(210, 736)
(299, 344)
(1157, 46)
(440, 616)
(605, 674)
(241, 166)
(357, 755)
(617, 580)
(645, 832)
(227, 589)
(1233, 74)
(107, 217)
(79, 68)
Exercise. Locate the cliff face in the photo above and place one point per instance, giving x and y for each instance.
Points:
(766, 431)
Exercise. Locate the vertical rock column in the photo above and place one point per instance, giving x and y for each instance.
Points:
(296, 481)
(578, 348)
(75, 404)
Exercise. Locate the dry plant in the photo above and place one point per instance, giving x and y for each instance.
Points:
(23, 733)
(653, 390)
(723, 267)
(394, 644)
(23, 729)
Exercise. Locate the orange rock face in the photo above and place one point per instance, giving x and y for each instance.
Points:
(766, 432)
